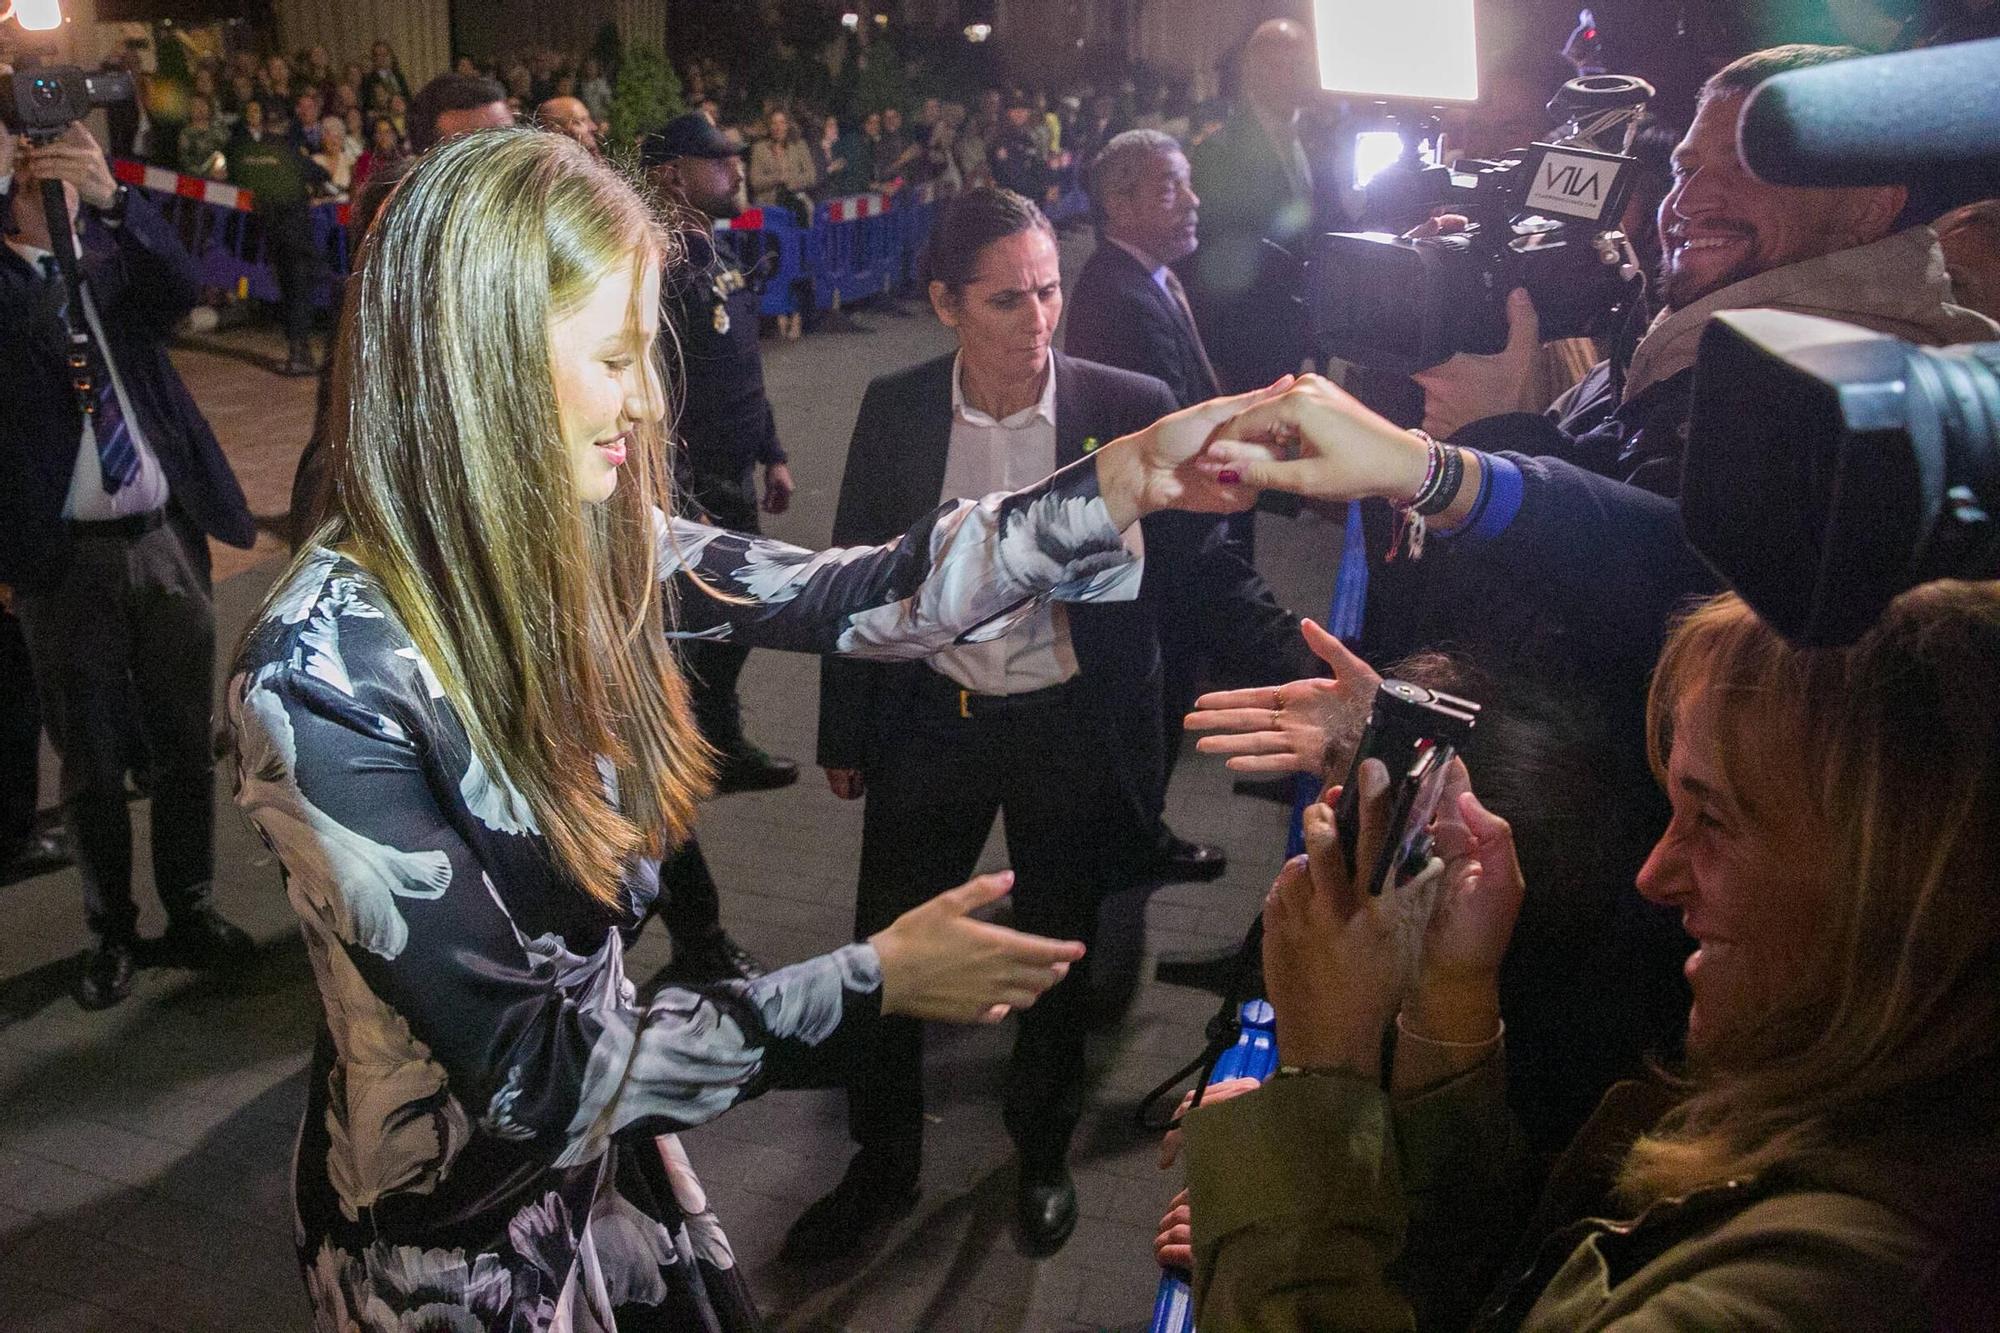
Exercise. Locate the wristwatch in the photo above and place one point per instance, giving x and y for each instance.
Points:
(113, 213)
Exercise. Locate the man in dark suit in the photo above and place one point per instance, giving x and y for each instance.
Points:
(1255, 180)
(1056, 724)
(1128, 310)
(104, 517)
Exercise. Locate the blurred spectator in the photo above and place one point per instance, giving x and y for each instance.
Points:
(781, 166)
(595, 89)
(305, 132)
(1256, 186)
(851, 161)
(384, 72)
(568, 116)
(202, 142)
(283, 181)
(1019, 163)
(896, 153)
(337, 153)
(384, 151)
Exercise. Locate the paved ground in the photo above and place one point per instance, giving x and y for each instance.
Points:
(144, 1151)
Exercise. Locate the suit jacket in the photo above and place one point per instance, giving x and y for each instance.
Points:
(1118, 315)
(142, 282)
(895, 473)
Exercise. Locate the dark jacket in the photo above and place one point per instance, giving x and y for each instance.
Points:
(895, 472)
(726, 422)
(1244, 292)
(142, 283)
(1118, 315)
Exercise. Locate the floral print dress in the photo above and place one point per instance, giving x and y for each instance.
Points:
(488, 1139)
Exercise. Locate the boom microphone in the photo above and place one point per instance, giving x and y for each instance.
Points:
(1880, 120)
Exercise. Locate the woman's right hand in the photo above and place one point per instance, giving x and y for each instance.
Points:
(1316, 440)
(939, 962)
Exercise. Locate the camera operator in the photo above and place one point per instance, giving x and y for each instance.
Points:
(1730, 242)
(1829, 1160)
(104, 520)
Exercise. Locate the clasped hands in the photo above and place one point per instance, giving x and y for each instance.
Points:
(1301, 434)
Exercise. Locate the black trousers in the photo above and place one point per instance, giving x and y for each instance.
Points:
(130, 620)
(20, 739)
(289, 246)
(932, 797)
(714, 668)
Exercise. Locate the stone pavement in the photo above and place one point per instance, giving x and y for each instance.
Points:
(145, 1151)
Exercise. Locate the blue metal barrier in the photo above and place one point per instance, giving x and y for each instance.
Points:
(1255, 1055)
(225, 237)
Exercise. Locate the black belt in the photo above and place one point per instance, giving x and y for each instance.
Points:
(940, 692)
(131, 527)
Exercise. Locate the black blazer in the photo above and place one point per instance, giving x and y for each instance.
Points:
(142, 283)
(1118, 315)
(895, 474)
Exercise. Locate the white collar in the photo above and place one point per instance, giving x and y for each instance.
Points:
(964, 411)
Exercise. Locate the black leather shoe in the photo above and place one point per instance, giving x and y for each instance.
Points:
(714, 957)
(1045, 1209)
(201, 938)
(846, 1221)
(105, 976)
(1179, 861)
(750, 769)
(1210, 972)
(36, 854)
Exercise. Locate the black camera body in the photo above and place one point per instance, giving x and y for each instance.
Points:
(43, 102)
(1415, 732)
(1544, 218)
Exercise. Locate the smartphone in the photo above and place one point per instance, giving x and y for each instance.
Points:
(1415, 732)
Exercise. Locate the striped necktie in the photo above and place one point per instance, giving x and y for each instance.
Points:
(117, 456)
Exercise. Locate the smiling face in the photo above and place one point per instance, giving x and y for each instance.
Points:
(1720, 225)
(601, 360)
(1157, 214)
(1747, 873)
(1007, 314)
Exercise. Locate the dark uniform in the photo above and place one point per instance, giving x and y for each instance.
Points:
(726, 430)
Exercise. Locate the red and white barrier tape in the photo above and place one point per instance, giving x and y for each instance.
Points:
(199, 188)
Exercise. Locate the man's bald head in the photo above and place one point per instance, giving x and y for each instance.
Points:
(569, 116)
(1280, 69)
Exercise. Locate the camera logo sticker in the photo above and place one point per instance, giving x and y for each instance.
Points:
(1572, 185)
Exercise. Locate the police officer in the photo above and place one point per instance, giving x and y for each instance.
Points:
(727, 429)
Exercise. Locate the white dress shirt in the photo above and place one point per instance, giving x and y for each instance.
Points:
(1005, 455)
(88, 501)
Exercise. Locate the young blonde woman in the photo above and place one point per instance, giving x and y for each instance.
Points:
(461, 730)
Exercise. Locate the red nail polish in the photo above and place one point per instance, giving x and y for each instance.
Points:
(1229, 477)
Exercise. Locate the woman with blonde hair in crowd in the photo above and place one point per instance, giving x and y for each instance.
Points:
(1830, 1157)
(460, 726)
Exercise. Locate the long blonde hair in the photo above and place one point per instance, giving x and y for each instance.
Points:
(1891, 1048)
(542, 616)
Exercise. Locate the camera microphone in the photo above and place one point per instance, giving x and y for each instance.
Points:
(1870, 121)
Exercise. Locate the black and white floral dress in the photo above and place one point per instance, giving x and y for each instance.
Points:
(488, 1140)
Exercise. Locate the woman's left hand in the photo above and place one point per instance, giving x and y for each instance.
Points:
(1337, 959)
(1154, 469)
(1287, 728)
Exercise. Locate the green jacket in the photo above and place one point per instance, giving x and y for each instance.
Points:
(1318, 1204)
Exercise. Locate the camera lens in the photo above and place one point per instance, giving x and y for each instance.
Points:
(47, 92)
